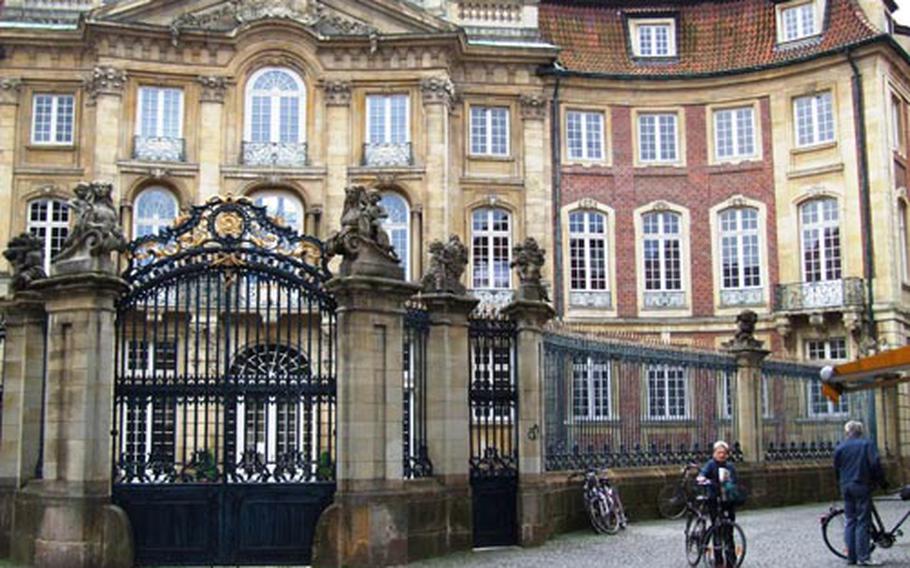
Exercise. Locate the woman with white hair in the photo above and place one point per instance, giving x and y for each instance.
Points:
(720, 475)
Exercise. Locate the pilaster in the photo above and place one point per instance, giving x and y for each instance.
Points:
(538, 198)
(438, 94)
(104, 88)
(337, 97)
(9, 112)
(211, 111)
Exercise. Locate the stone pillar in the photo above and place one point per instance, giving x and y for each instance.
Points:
(105, 91)
(747, 412)
(9, 111)
(438, 93)
(338, 145)
(533, 518)
(887, 418)
(537, 179)
(23, 374)
(211, 108)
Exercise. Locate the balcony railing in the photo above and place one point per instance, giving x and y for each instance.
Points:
(492, 298)
(847, 292)
(284, 154)
(387, 154)
(158, 149)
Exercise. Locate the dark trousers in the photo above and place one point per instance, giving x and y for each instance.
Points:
(858, 512)
(724, 545)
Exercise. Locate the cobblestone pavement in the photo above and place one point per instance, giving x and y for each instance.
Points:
(778, 538)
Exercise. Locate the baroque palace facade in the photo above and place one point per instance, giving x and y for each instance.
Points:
(678, 161)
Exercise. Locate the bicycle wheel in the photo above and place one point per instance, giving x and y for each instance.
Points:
(696, 527)
(612, 519)
(833, 532)
(620, 510)
(598, 511)
(671, 501)
(724, 546)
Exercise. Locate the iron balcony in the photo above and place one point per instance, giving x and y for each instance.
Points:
(827, 294)
(158, 149)
(387, 154)
(284, 154)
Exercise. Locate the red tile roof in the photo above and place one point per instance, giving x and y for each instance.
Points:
(713, 36)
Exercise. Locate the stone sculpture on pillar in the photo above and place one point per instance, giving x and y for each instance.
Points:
(529, 259)
(362, 242)
(745, 333)
(447, 263)
(95, 234)
(26, 255)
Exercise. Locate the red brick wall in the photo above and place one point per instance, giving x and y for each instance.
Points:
(698, 187)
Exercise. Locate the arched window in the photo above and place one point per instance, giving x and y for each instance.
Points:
(739, 249)
(662, 251)
(49, 220)
(155, 210)
(398, 226)
(588, 251)
(491, 248)
(275, 107)
(821, 240)
(282, 205)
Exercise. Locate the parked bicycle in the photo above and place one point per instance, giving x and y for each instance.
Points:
(602, 503)
(675, 499)
(834, 520)
(712, 536)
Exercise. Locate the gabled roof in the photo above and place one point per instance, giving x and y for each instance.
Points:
(713, 36)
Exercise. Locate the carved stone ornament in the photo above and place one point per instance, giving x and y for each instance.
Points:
(533, 107)
(528, 258)
(26, 255)
(362, 242)
(437, 90)
(745, 332)
(313, 14)
(9, 90)
(213, 88)
(337, 93)
(105, 81)
(447, 264)
(95, 234)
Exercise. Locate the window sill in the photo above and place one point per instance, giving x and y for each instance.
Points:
(57, 147)
(739, 165)
(490, 158)
(583, 163)
(808, 149)
(668, 422)
(661, 169)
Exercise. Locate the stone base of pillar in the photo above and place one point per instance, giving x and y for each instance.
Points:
(66, 525)
(535, 517)
(390, 527)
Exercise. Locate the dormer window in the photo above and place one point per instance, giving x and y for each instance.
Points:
(653, 38)
(799, 19)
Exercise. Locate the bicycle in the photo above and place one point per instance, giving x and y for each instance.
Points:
(697, 521)
(834, 520)
(674, 498)
(712, 537)
(602, 503)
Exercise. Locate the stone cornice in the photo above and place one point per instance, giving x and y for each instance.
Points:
(105, 81)
(9, 91)
(337, 93)
(213, 88)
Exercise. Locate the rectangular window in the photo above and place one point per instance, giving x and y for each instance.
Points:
(734, 133)
(490, 249)
(657, 137)
(897, 124)
(585, 135)
(590, 388)
(387, 119)
(587, 251)
(653, 38)
(828, 350)
(814, 119)
(53, 117)
(490, 131)
(798, 22)
(160, 113)
(662, 251)
(739, 246)
(667, 392)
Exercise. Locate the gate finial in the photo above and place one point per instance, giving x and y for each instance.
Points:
(362, 241)
(96, 232)
(26, 255)
(529, 259)
(447, 264)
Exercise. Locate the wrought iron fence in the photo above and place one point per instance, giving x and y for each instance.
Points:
(612, 403)
(414, 390)
(798, 422)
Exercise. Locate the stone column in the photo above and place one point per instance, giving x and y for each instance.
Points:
(105, 92)
(438, 93)
(23, 374)
(9, 111)
(747, 413)
(211, 108)
(533, 517)
(338, 144)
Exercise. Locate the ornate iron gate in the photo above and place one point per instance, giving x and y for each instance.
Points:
(224, 436)
(493, 400)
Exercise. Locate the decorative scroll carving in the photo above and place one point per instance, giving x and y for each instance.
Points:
(438, 90)
(213, 88)
(362, 241)
(337, 93)
(447, 264)
(533, 107)
(528, 259)
(9, 91)
(105, 81)
(95, 234)
(26, 255)
(745, 332)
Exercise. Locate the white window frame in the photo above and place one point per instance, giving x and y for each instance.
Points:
(159, 111)
(290, 196)
(490, 234)
(487, 148)
(157, 221)
(387, 128)
(818, 10)
(587, 237)
(584, 370)
(48, 224)
(903, 239)
(739, 234)
(635, 28)
(738, 152)
(815, 117)
(663, 371)
(663, 237)
(898, 119)
(819, 227)
(56, 98)
(275, 107)
(814, 388)
(391, 226)
(659, 138)
(586, 136)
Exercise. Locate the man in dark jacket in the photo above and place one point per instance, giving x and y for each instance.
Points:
(858, 471)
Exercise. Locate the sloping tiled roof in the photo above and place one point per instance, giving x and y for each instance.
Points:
(713, 36)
